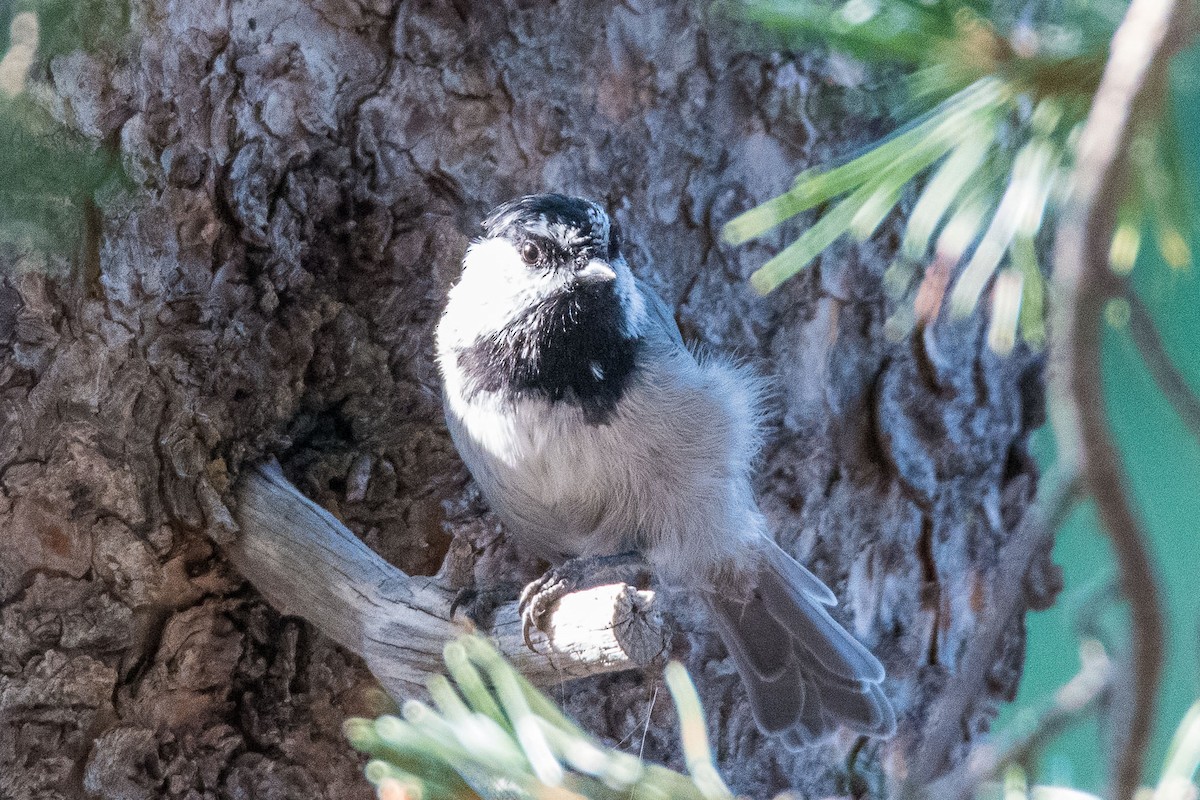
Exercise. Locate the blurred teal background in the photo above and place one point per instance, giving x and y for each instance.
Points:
(1163, 462)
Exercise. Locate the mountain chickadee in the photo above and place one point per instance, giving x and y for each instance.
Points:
(592, 431)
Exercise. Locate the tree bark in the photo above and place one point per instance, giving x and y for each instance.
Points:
(310, 173)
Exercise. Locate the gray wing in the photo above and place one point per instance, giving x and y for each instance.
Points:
(660, 316)
(804, 673)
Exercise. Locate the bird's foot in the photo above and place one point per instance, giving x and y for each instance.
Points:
(479, 605)
(571, 576)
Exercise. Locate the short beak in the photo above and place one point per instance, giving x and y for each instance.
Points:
(595, 272)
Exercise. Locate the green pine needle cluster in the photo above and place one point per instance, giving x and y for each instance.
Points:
(67, 25)
(989, 156)
(490, 734)
(53, 178)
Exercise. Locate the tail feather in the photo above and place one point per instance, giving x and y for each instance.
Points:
(803, 672)
(776, 699)
(798, 576)
(772, 650)
(817, 634)
(866, 706)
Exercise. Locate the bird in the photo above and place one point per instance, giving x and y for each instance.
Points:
(595, 434)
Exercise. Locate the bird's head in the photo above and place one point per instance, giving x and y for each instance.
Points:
(549, 253)
(546, 307)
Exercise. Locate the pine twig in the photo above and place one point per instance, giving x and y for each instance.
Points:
(489, 733)
(1133, 80)
(1074, 700)
(1166, 374)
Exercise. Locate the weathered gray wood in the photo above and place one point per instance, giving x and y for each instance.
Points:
(306, 563)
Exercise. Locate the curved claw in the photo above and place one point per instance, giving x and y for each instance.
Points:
(526, 627)
(463, 597)
(540, 595)
(527, 621)
(536, 600)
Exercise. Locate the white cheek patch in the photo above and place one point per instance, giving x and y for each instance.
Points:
(495, 287)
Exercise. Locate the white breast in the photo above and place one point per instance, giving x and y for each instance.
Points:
(668, 475)
(545, 473)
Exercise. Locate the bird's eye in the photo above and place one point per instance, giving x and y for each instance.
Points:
(530, 253)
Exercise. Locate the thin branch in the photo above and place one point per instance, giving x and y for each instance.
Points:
(1170, 380)
(306, 563)
(1076, 699)
(1133, 82)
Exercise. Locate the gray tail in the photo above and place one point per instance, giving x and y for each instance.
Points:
(804, 673)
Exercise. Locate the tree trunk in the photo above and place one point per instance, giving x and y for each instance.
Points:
(312, 173)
